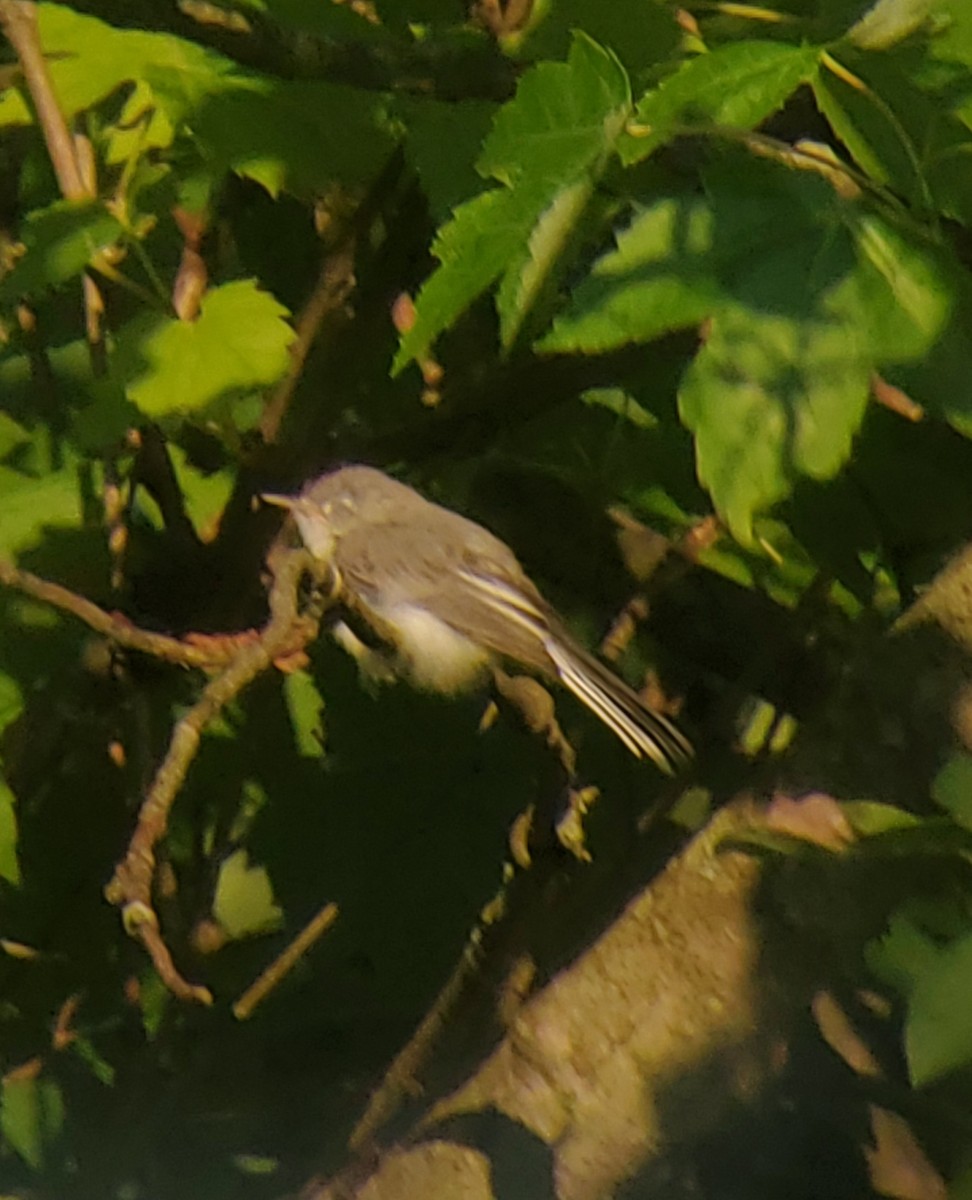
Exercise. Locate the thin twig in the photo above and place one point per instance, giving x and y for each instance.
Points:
(335, 283)
(131, 887)
(401, 1078)
(207, 656)
(18, 20)
(285, 962)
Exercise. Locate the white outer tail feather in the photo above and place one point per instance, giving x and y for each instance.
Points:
(652, 736)
(644, 732)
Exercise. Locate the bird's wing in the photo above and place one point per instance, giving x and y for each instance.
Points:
(470, 581)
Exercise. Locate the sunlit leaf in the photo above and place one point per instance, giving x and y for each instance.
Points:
(239, 341)
(736, 86)
(72, 41)
(547, 146)
(661, 277)
(244, 904)
(306, 707)
(60, 242)
(770, 398)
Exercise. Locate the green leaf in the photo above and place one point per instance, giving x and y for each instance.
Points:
(153, 1001)
(9, 866)
(60, 241)
(869, 818)
(735, 86)
(205, 493)
(888, 22)
(903, 955)
(563, 119)
(547, 146)
(531, 273)
(31, 1117)
(244, 904)
(640, 32)
(31, 504)
(305, 706)
(239, 341)
(622, 404)
(938, 1029)
(96, 1063)
(293, 136)
(771, 397)
(447, 179)
(474, 249)
(11, 701)
(952, 788)
(73, 41)
(660, 278)
(873, 124)
(907, 292)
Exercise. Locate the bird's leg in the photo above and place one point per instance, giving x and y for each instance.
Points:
(532, 708)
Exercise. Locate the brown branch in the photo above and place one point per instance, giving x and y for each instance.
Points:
(335, 283)
(131, 887)
(285, 962)
(206, 655)
(18, 20)
(402, 1077)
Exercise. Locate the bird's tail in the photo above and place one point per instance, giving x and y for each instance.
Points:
(646, 733)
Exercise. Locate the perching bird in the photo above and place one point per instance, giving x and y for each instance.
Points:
(451, 600)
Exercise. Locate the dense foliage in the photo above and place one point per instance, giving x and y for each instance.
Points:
(710, 265)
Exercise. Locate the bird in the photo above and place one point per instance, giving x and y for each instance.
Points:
(449, 601)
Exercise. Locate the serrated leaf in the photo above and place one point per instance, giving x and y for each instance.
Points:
(244, 904)
(547, 146)
(903, 955)
(474, 249)
(306, 707)
(239, 341)
(938, 1031)
(523, 281)
(770, 398)
(563, 118)
(659, 278)
(60, 241)
(736, 86)
(31, 1117)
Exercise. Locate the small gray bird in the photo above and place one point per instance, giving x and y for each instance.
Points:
(451, 599)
